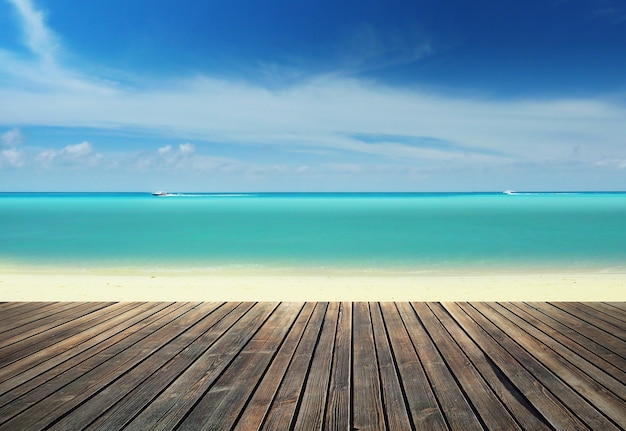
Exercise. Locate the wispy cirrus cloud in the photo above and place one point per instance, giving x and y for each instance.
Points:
(11, 138)
(331, 114)
(81, 155)
(42, 70)
(37, 36)
(346, 124)
(366, 48)
(10, 154)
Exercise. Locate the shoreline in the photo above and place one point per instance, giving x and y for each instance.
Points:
(63, 284)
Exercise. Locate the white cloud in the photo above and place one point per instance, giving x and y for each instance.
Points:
(613, 163)
(366, 47)
(186, 149)
(165, 150)
(325, 114)
(321, 115)
(75, 155)
(171, 154)
(44, 72)
(12, 157)
(78, 150)
(324, 118)
(39, 38)
(11, 138)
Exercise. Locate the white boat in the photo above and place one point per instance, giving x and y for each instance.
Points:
(159, 193)
(509, 192)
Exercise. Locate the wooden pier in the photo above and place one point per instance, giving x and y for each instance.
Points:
(312, 366)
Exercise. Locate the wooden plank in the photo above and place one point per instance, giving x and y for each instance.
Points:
(283, 408)
(619, 305)
(304, 366)
(616, 313)
(113, 406)
(258, 406)
(47, 358)
(220, 406)
(22, 323)
(597, 387)
(134, 331)
(52, 333)
(368, 410)
(53, 399)
(457, 411)
(523, 411)
(604, 311)
(32, 331)
(18, 307)
(423, 406)
(488, 406)
(394, 402)
(542, 399)
(338, 409)
(20, 313)
(504, 335)
(592, 351)
(591, 318)
(607, 341)
(312, 405)
(10, 304)
(578, 355)
(27, 310)
(167, 410)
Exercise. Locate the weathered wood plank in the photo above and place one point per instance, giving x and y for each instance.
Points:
(344, 366)
(588, 315)
(583, 377)
(612, 311)
(564, 348)
(607, 341)
(49, 357)
(26, 312)
(167, 410)
(423, 406)
(32, 340)
(220, 406)
(524, 412)
(368, 410)
(49, 329)
(10, 308)
(311, 409)
(596, 311)
(339, 407)
(488, 406)
(125, 397)
(456, 409)
(283, 409)
(95, 354)
(542, 399)
(257, 408)
(504, 335)
(394, 404)
(591, 350)
(37, 409)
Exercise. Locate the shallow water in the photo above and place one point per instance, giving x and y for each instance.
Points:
(415, 233)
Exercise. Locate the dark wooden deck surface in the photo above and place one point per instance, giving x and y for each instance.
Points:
(307, 366)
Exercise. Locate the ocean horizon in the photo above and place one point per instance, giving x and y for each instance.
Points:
(316, 232)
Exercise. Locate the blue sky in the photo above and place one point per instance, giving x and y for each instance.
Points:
(312, 95)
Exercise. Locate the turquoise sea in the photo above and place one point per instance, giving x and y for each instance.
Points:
(356, 232)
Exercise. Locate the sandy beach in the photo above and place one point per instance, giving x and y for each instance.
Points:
(22, 285)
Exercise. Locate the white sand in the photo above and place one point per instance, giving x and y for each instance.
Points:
(22, 285)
